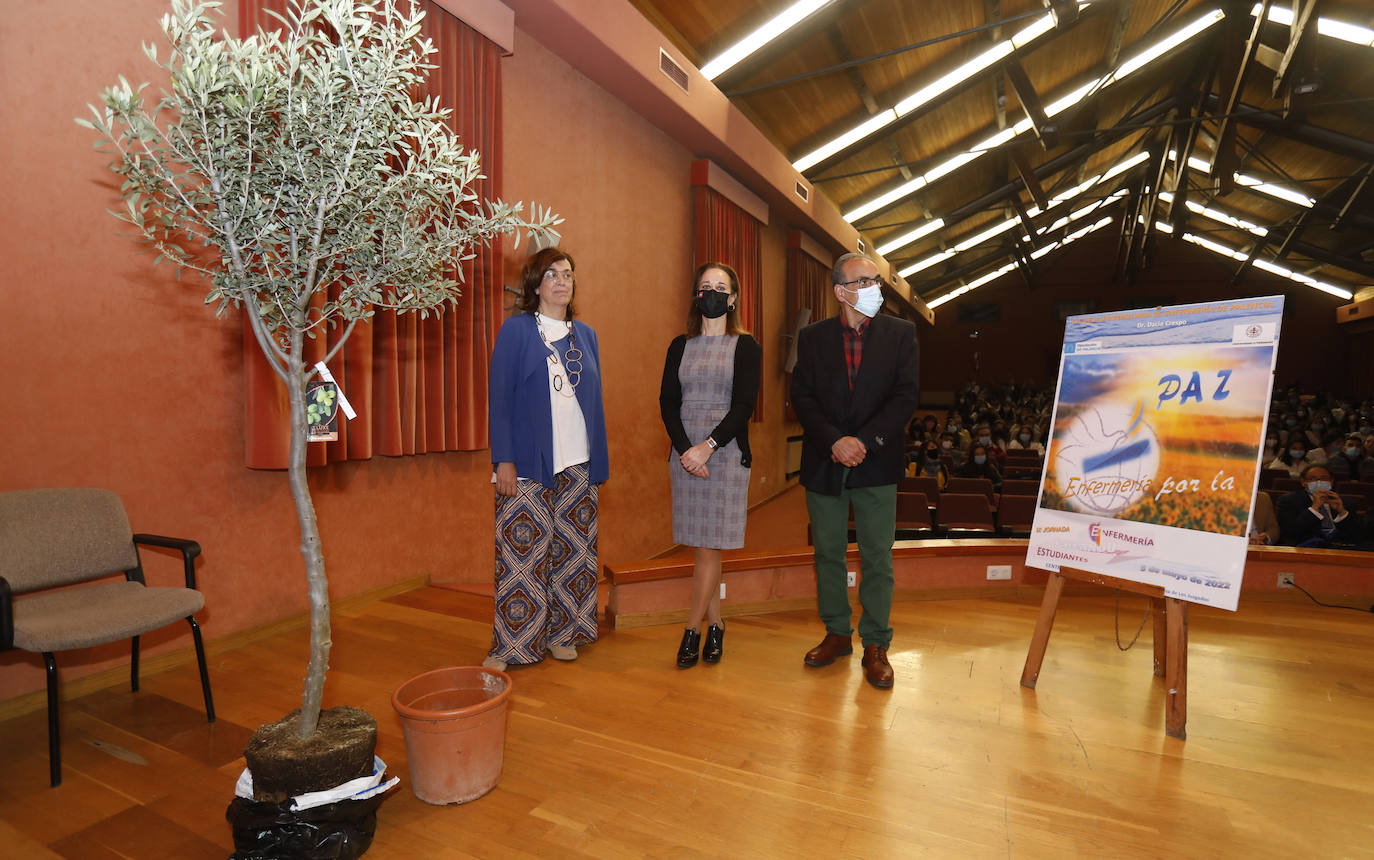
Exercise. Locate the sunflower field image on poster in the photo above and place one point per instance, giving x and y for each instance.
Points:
(1155, 442)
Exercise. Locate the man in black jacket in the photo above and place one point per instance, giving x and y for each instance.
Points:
(1316, 514)
(854, 388)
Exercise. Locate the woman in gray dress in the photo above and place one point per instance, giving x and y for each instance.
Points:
(710, 384)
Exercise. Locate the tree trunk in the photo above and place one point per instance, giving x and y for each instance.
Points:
(316, 581)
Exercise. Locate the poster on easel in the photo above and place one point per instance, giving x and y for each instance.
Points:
(1155, 445)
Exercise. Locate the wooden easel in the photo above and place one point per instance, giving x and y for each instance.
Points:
(1170, 634)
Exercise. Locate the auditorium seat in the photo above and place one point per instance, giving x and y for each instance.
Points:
(913, 517)
(964, 515)
(920, 484)
(973, 485)
(1020, 487)
(1015, 514)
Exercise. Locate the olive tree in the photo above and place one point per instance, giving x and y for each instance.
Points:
(295, 170)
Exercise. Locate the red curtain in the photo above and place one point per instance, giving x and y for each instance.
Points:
(418, 385)
(723, 232)
(808, 286)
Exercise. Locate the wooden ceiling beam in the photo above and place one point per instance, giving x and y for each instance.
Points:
(1339, 222)
(1045, 131)
(1294, 234)
(1068, 159)
(1183, 140)
(1236, 65)
(1302, 36)
(1065, 12)
(1259, 245)
(1032, 182)
(1026, 221)
(1360, 149)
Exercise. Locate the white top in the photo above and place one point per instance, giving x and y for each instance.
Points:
(569, 426)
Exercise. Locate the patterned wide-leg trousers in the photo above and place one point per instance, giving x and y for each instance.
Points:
(545, 567)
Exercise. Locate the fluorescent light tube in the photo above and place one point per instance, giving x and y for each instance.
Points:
(779, 24)
(907, 238)
(854, 135)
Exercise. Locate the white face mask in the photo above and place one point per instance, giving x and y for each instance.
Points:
(867, 300)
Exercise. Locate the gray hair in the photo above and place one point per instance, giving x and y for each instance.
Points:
(837, 271)
(1309, 467)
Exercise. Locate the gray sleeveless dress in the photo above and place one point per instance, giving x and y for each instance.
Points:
(709, 512)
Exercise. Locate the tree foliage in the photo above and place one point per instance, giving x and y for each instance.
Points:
(297, 172)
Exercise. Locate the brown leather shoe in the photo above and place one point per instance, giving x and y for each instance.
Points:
(832, 646)
(877, 671)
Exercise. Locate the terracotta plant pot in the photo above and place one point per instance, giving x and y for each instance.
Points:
(455, 729)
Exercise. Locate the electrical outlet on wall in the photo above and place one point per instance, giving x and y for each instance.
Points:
(853, 579)
(1285, 580)
(722, 591)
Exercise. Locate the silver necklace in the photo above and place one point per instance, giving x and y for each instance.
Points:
(572, 365)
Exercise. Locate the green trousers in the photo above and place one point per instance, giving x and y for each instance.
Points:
(875, 524)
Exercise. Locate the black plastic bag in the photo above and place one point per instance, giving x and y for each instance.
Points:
(272, 831)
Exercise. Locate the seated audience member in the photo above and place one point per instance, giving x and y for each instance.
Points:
(930, 429)
(1025, 440)
(1293, 458)
(955, 427)
(927, 463)
(1264, 525)
(1344, 464)
(1271, 446)
(979, 465)
(1315, 516)
(1367, 464)
(982, 435)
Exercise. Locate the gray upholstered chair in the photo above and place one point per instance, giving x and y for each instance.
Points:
(67, 537)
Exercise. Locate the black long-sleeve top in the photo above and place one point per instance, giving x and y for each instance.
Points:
(744, 393)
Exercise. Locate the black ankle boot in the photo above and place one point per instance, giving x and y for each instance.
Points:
(689, 650)
(715, 644)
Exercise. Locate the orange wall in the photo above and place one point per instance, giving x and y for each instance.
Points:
(1026, 342)
(115, 374)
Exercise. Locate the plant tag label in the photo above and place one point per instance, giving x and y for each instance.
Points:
(343, 401)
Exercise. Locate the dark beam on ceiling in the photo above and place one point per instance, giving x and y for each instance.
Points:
(1183, 140)
(1065, 12)
(1045, 131)
(1339, 222)
(1031, 181)
(1297, 60)
(1064, 160)
(1255, 250)
(1235, 66)
(1315, 136)
(813, 172)
(1026, 221)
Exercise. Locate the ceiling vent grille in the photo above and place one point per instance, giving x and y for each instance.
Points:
(669, 67)
(803, 192)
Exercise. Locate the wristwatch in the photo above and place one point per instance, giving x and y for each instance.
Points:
(711, 443)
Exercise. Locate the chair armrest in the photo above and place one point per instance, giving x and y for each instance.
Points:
(6, 616)
(189, 550)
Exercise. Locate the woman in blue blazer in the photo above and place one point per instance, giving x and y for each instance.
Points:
(548, 455)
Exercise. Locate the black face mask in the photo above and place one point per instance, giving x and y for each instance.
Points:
(712, 304)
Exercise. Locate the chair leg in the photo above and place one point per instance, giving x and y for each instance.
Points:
(133, 666)
(204, 672)
(54, 738)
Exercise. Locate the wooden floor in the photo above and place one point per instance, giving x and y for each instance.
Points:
(622, 755)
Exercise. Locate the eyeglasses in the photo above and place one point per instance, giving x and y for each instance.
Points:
(719, 288)
(862, 282)
(555, 275)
